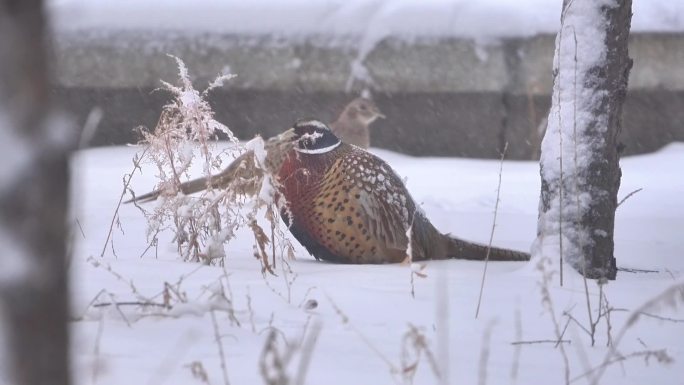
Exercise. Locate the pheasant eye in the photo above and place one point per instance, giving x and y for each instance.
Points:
(307, 143)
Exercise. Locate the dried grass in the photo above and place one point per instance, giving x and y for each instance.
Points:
(230, 198)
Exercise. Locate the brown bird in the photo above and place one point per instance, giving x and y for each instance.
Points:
(352, 124)
(347, 205)
(351, 207)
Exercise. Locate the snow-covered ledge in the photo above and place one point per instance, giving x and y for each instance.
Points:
(454, 78)
(521, 65)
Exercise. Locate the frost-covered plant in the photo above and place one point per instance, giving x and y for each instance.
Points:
(230, 198)
(187, 123)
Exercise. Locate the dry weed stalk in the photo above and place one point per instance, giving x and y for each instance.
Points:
(172, 360)
(198, 372)
(222, 355)
(97, 361)
(442, 325)
(276, 359)
(187, 123)
(415, 268)
(515, 366)
(672, 297)
(603, 312)
(172, 301)
(491, 234)
(546, 278)
(535, 342)
(659, 356)
(250, 310)
(115, 217)
(230, 198)
(393, 369)
(484, 352)
(101, 264)
(414, 346)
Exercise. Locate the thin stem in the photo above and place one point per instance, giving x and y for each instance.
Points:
(491, 234)
(217, 336)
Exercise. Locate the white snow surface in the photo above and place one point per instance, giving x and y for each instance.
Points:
(365, 311)
(407, 18)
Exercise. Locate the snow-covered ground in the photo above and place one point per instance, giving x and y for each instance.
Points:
(365, 312)
(480, 19)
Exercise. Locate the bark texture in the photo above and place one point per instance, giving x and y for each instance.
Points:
(33, 205)
(582, 197)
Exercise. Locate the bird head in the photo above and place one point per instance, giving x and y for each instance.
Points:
(364, 110)
(314, 137)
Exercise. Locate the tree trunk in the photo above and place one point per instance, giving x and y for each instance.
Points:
(33, 204)
(580, 151)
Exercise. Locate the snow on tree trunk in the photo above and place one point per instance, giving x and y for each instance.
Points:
(33, 206)
(580, 168)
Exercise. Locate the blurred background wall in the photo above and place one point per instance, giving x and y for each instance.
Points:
(454, 78)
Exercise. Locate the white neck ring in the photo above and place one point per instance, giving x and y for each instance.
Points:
(318, 150)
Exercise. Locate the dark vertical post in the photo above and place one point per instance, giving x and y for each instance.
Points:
(34, 185)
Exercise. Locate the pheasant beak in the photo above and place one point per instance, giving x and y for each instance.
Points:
(376, 111)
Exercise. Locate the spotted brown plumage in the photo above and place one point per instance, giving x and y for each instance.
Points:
(346, 205)
(331, 200)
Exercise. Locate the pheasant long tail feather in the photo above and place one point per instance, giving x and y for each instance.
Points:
(460, 249)
(186, 188)
(219, 180)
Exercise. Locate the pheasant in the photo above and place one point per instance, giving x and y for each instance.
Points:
(346, 205)
(352, 124)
